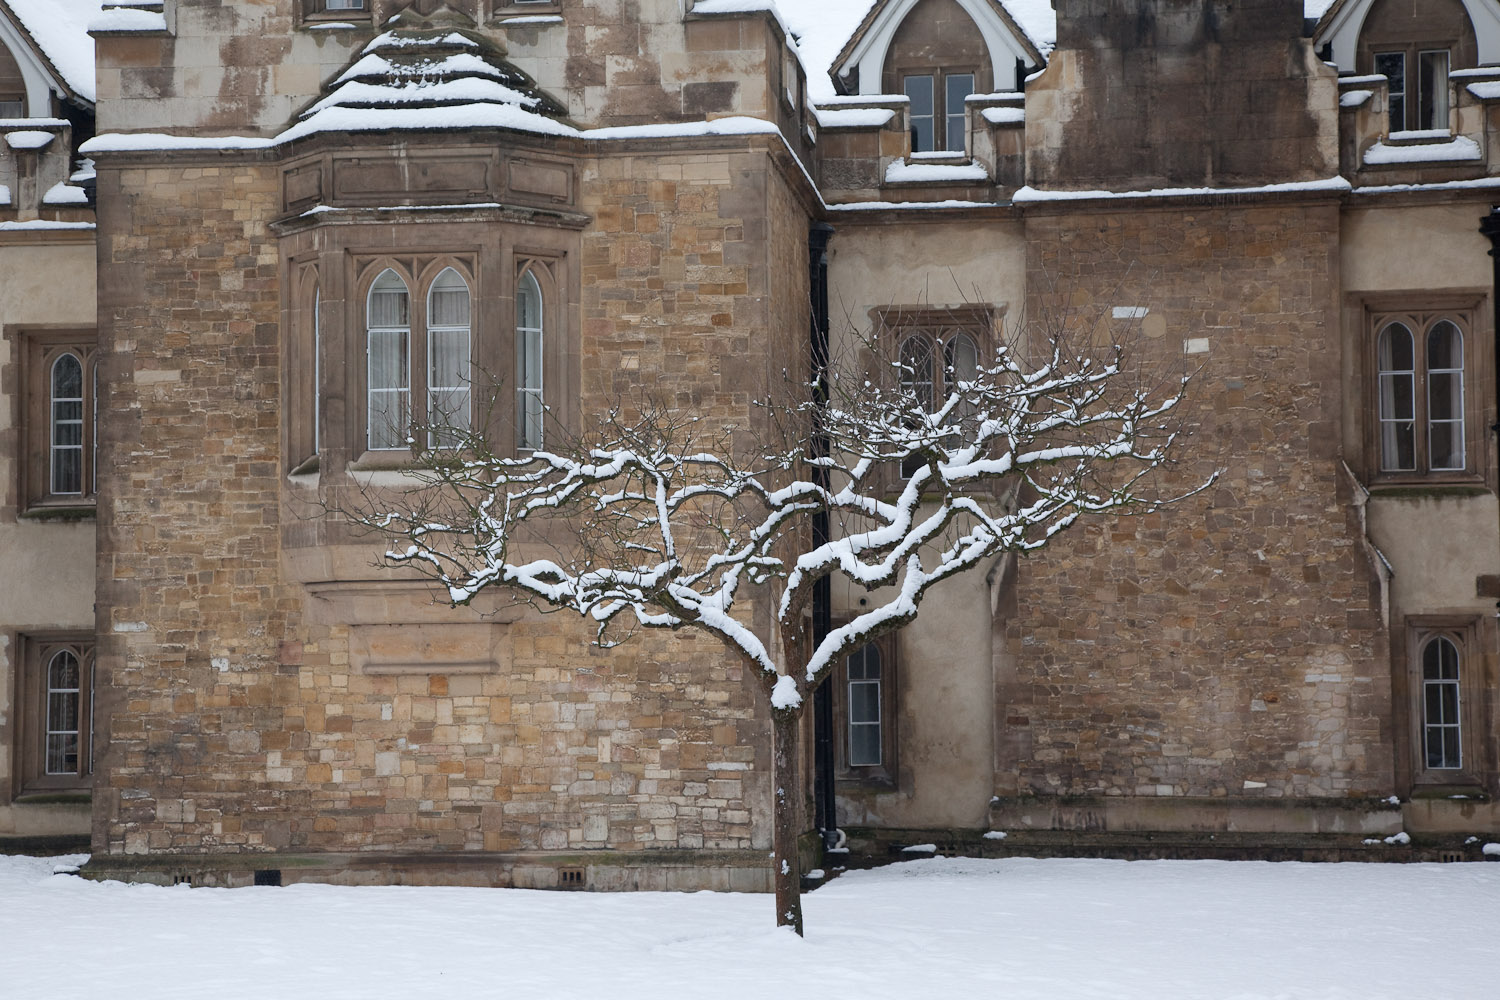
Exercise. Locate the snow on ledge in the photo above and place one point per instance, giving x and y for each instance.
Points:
(1459, 149)
(1029, 194)
(124, 19)
(877, 206)
(530, 19)
(28, 139)
(1354, 98)
(42, 224)
(901, 172)
(1477, 182)
(1485, 90)
(4, 195)
(65, 194)
(853, 117)
(1004, 116)
(424, 119)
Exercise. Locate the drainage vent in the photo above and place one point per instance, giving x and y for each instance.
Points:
(182, 880)
(1450, 855)
(570, 878)
(268, 876)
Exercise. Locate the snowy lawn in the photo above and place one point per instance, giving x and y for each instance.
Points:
(1012, 929)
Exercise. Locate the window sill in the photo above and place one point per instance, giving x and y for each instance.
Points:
(1416, 489)
(868, 782)
(55, 797)
(59, 512)
(338, 20)
(1458, 787)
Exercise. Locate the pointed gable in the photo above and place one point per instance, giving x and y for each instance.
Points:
(45, 49)
(863, 57)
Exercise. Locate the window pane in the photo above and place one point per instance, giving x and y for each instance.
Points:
(864, 701)
(1392, 65)
(959, 86)
(388, 345)
(919, 90)
(67, 425)
(864, 746)
(916, 369)
(1398, 408)
(63, 704)
(1432, 89)
(961, 358)
(1445, 396)
(530, 406)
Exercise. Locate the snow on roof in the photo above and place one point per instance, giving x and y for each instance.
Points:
(823, 26)
(60, 29)
(418, 79)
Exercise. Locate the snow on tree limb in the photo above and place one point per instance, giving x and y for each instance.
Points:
(660, 530)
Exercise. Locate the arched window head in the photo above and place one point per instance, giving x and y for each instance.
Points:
(66, 417)
(448, 352)
(530, 399)
(388, 350)
(960, 360)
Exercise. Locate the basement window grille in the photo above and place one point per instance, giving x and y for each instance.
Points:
(570, 878)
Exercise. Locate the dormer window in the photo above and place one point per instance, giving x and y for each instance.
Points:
(937, 115)
(1415, 44)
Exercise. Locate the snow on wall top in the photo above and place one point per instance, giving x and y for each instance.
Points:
(60, 29)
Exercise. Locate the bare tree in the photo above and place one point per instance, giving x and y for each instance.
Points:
(653, 520)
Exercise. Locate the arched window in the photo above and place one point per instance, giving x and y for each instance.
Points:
(530, 400)
(448, 414)
(1445, 396)
(917, 377)
(1422, 429)
(67, 423)
(62, 736)
(388, 350)
(1398, 413)
(1442, 731)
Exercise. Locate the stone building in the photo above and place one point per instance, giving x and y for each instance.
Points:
(312, 218)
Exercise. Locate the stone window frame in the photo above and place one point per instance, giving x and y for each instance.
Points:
(1463, 631)
(304, 366)
(37, 350)
(326, 291)
(888, 770)
(1419, 311)
(418, 272)
(313, 12)
(34, 652)
(940, 110)
(895, 325)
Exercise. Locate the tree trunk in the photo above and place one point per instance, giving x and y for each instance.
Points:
(786, 816)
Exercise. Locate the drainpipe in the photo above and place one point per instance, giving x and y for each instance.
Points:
(823, 791)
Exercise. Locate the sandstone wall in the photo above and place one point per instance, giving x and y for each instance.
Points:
(243, 712)
(1232, 645)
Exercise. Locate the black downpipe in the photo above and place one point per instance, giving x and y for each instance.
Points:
(1489, 226)
(823, 791)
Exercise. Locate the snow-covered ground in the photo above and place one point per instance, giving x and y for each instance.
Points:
(1013, 929)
